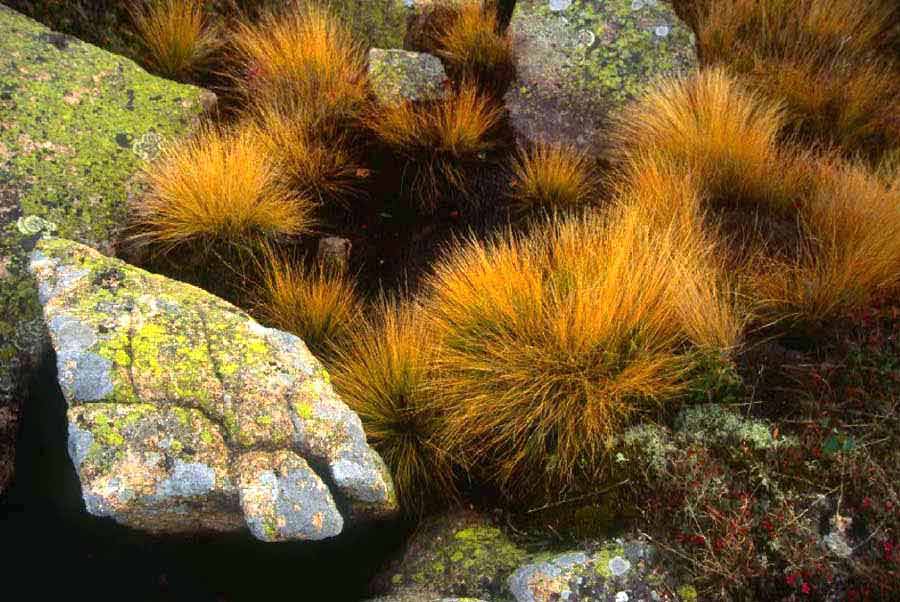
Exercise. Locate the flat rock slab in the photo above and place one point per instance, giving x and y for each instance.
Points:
(185, 414)
(403, 75)
(76, 123)
(577, 61)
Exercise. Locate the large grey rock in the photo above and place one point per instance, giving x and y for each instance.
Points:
(185, 414)
(76, 123)
(579, 60)
(399, 75)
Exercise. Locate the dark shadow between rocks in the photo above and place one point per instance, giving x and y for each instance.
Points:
(54, 547)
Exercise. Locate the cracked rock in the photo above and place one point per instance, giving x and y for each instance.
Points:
(187, 415)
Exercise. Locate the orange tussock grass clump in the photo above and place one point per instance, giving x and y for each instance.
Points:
(714, 127)
(469, 38)
(438, 138)
(317, 304)
(829, 59)
(304, 54)
(218, 186)
(382, 374)
(314, 156)
(549, 344)
(177, 36)
(850, 253)
(553, 177)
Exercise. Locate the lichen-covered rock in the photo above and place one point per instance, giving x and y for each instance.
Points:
(137, 352)
(460, 554)
(414, 595)
(619, 571)
(398, 75)
(577, 61)
(376, 23)
(76, 122)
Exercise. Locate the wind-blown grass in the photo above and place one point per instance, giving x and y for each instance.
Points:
(382, 374)
(302, 55)
(177, 37)
(217, 187)
(549, 344)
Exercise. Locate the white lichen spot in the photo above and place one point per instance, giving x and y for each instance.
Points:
(559, 5)
(661, 30)
(30, 225)
(586, 38)
(618, 566)
(637, 4)
(621, 596)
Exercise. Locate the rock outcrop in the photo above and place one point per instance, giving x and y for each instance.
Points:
(460, 554)
(618, 572)
(76, 122)
(185, 414)
(399, 75)
(464, 554)
(579, 60)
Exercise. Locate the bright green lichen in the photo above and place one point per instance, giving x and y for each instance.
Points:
(602, 558)
(375, 23)
(687, 593)
(70, 116)
(464, 556)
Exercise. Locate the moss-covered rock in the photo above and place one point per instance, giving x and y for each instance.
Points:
(398, 75)
(254, 403)
(577, 61)
(376, 23)
(76, 122)
(460, 554)
(618, 571)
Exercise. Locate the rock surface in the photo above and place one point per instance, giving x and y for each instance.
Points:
(186, 414)
(76, 122)
(420, 596)
(618, 572)
(461, 554)
(399, 75)
(464, 554)
(376, 23)
(579, 60)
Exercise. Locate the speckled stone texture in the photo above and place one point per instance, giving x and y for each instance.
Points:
(185, 414)
(399, 75)
(376, 23)
(459, 554)
(620, 571)
(577, 61)
(76, 122)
